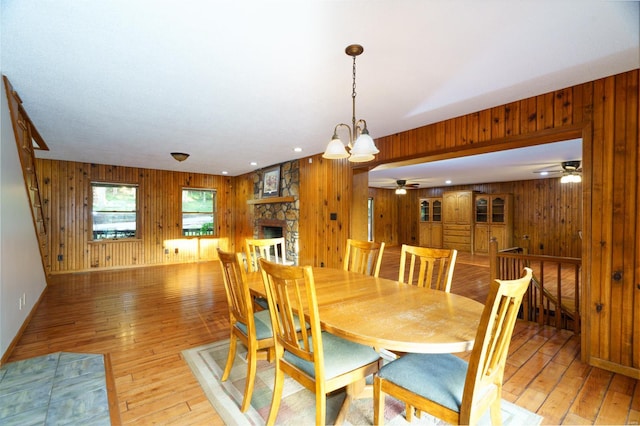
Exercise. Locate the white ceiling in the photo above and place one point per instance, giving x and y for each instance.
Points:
(502, 166)
(126, 82)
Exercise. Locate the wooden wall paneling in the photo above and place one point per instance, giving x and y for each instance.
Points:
(528, 115)
(636, 280)
(473, 122)
(359, 211)
(626, 188)
(484, 134)
(563, 108)
(497, 122)
(512, 119)
(68, 210)
(544, 108)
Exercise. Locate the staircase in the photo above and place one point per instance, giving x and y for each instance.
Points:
(553, 297)
(27, 140)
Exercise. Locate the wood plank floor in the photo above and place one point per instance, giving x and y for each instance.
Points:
(145, 317)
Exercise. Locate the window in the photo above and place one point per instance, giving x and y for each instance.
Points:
(198, 212)
(114, 211)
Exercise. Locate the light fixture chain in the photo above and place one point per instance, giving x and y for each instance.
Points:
(353, 101)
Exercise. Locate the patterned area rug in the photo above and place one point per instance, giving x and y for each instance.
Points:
(298, 404)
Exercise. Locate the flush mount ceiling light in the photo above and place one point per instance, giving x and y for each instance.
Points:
(180, 156)
(361, 145)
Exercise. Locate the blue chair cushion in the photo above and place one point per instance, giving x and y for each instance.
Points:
(340, 356)
(437, 377)
(263, 325)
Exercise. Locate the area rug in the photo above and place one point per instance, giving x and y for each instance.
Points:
(298, 404)
(55, 389)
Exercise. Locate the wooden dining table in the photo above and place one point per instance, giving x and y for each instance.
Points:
(387, 314)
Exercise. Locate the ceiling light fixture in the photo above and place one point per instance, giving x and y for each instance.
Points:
(401, 191)
(571, 178)
(180, 156)
(361, 145)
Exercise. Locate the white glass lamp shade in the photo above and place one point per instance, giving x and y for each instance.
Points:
(401, 191)
(335, 150)
(571, 178)
(363, 149)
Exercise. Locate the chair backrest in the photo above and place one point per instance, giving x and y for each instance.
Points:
(435, 266)
(364, 257)
(236, 288)
(489, 354)
(291, 293)
(272, 249)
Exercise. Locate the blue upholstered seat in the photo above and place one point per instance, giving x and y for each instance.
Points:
(340, 356)
(438, 377)
(263, 325)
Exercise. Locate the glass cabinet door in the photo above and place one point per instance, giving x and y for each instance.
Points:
(482, 210)
(437, 211)
(497, 210)
(424, 211)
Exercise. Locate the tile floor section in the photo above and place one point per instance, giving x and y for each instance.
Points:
(56, 389)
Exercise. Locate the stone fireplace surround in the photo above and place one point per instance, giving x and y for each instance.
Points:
(280, 214)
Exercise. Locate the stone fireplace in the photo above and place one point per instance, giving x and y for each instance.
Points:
(279, 218)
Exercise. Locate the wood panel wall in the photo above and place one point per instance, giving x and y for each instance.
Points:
(605, 114)
(325, 190)
(547, 214)
(66, 189)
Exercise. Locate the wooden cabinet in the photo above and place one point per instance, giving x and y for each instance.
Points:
(430, 223)
(457, 220)
(493, 215)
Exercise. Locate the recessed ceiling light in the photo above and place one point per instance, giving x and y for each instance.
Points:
(448, 182)
(253, 163)
(297, 149)
(544, 173)
(224, 172)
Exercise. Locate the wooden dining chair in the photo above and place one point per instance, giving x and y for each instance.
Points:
(435, 266)
(444, 385)
(272, 249)
(252, 329)
(364, 257)
(320, 361)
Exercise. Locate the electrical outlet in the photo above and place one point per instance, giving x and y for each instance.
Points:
(166, 251)
(176, 250)
(60, 258)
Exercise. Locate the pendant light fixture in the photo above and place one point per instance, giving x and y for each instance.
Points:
(361, 145)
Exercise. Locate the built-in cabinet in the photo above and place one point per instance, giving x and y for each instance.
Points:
(493, 216)
(430, 224)
(457, 220)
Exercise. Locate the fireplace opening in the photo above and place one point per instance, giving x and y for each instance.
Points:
(272, 232)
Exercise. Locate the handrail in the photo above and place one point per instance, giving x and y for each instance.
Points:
(541, 303)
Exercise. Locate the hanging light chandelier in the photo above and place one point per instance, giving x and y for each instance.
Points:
(361, 145)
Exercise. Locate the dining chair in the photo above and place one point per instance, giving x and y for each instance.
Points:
(252, 329)
(364, 257)
(320, 361)
(446, 386)
(272, 249)
(435, 266)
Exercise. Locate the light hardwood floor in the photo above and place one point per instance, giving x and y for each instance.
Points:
(145, 317)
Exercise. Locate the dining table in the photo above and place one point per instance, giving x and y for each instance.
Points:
(388, 314)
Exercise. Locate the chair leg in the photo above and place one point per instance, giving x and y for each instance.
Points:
(277, 395)
(321, 407)
(378, 401)
(496, 414)
(408, 412)
(230, 357)
(251, 376)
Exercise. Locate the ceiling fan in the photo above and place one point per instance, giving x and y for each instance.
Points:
(402, 186)
(571, 171)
